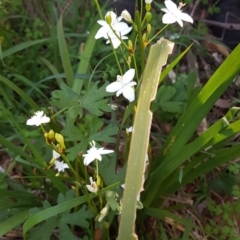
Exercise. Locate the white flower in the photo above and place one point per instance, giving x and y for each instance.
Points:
(148, 1)
(123, 85)
(120, 28)
(174, 14)
(93, 187)
(37, 119)
(55, 154)
(129, 130)
(94, 153)
(126, 16)
(113, 106)
(60, 166)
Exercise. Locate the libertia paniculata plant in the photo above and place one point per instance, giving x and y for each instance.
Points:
(100, 183)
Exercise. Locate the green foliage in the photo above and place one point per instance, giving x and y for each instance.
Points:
(37, 199)
(61, 221)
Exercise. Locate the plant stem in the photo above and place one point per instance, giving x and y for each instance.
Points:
(141, 47)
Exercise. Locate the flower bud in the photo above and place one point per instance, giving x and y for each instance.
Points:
(149, 29)
(126, 16)
(49, 136)
(59, 138)
(148, 7)
(108, 19)
(148, 16)
(130, 45)
(144, 37)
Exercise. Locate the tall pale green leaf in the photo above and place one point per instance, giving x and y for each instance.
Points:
(139, 143)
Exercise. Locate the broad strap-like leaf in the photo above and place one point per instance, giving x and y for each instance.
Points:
(140, 137)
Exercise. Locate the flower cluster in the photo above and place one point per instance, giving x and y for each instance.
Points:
(174, 14)
(113, 29)
(60, 166)
(93, 186)
(94, 153)
(37, 119)
(123, 85)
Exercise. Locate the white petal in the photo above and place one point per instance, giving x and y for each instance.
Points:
(130, 84)
(171, 6)
(180, 22)
(165, 10)
(120, 26)
(115, 42)
(113, 87)
(98, 156)
(102, 32)
(88, 159)
(104, 151)
(119, 92)
(60, 166)
(126, 31)
(102, 23)
(186, 17)
(129, 94)
(128, 76)
(45, 119)
(119, 19)
(168, 18)
(55, 154)
(31, 121)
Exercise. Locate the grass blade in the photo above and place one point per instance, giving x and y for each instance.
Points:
(66, 62)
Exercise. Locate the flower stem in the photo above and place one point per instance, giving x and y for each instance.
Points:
(72, 169)
(135, 65)
(99, 9)
(139, 31)
(119, 38)
(157, 34)
(115, 55)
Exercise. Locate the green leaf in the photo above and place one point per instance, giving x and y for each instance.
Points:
(20, 92)
(66, 62)
(140, 137)
(166, 100)
(172, 153)
(90, 129)
(85, 58)
(78, 218)
(60, 208)
(91, 100)
(65, 232)
(44, 230)
(13, 222)
(22, 46)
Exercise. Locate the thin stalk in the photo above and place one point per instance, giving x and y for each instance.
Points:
(157, 34)
(141, 47)
(136, 68)
(98, 8)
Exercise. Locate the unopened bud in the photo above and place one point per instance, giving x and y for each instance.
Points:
(49, 136)
(144, 37)
(59, 138)
(108, 19)
(148, 7)
(148, 16)
(126, 16)
(130, 45)
(149, 28)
